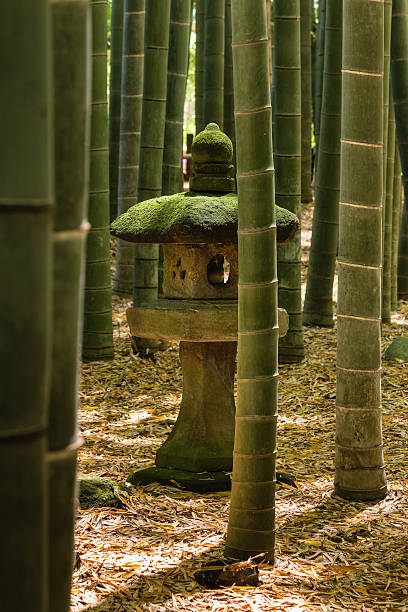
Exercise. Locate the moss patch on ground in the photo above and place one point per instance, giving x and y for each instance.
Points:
(101, 493)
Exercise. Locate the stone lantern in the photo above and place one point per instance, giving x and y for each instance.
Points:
(198, 231)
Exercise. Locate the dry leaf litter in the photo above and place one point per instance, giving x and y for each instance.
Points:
(330, 554)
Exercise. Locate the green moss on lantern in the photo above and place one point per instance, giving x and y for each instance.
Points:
(212, 145)
(189, 218)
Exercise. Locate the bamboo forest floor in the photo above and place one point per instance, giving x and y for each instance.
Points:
(330, 554)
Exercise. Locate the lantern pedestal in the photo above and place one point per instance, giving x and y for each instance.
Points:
(203, 436)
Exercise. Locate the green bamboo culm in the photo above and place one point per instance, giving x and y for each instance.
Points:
(98, 335)
(114, 102)
(213, 96)
(129, 139)
(272, 38)
(251, 527)
(313, 53)
(359, 464)
(399, 82)
(387, 221)
(403, 250)
(71, 112)
(145, 288)
(319, 72)
(199, 65)
(229, 126)
(318, 306)
(287, 159)
(396, 217)
(386, 96)
(306, 64)
(179, 39)
(26, 212)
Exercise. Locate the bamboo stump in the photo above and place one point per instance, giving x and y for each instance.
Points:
(203, 436)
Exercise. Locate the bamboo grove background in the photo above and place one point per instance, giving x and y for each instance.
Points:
(339, 87)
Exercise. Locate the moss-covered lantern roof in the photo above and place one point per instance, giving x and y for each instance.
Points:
(188, 218)
(208, 213)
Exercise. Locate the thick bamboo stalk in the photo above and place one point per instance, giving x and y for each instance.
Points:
(359, 449)
(387, 221)
(130, 126)
(229, 126)
(114, 102)
(318, 306)
(145, 286)
(26, 210)
(199, 66)
(98, 335)
(399, 82)
(319, 71)
(71, 111)
(306, 64)
(396, 221)
(179, 39)
(213, 97)
(287, 159)
(251, 528)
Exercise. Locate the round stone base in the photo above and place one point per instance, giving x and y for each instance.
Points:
(201, 482)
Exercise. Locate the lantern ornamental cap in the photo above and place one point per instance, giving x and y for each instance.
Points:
(212, 146)
(211, 154)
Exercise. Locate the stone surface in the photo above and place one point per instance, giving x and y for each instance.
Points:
(202, 439)
(201, 482)
(207, 182)
(398, 349)
(191, 218)
(191, 320)
(206, 271)
(101, 492)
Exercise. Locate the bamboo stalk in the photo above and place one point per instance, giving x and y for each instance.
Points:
(98, 334)
(319, 72)
(114, 103)
(269, 19)
(180, 22)
(229, 126)
(251, 527)
(359, 449)
(26, 211)
(386, 93)
(130, 126)
(213, 96)
(288, 159)
(396, 220)
(145, 288)
(199, 66)
(387, 221)
(306, 64)
(318, 306)
(399, 82)
(71, 106)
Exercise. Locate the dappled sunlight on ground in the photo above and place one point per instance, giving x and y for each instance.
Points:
(330, 554)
